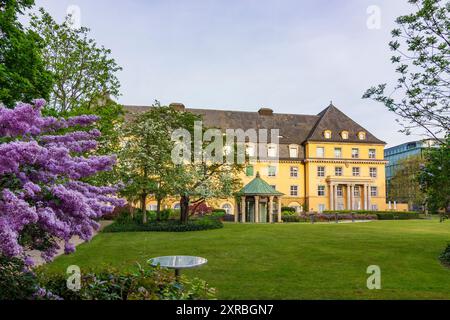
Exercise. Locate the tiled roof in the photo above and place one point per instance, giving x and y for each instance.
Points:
(336, 121)
(293, 128)
(258, 187)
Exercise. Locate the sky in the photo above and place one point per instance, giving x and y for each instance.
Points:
(293, 56)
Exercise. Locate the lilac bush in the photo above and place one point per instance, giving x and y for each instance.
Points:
(43, 161)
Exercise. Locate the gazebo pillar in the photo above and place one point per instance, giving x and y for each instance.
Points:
(243, 209)
(256, 209)
(279, 209)
(270, 210)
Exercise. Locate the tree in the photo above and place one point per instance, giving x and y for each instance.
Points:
(145, 160)
(434, 177)
(23, 75)
(404, 185)
(43, 195)
(84, 81)
(83, 72)
(421, 46)
(202, 175)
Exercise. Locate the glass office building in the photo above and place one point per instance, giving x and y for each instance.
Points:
(405, 150)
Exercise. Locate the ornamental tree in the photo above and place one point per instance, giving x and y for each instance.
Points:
(421, 56)
(43, 196)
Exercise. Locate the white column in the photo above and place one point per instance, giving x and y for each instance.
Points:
(369, 199)
(236, 211)
(243, 209)
(347, 186)
(256, 209)
(270, 209)
(365, 197)
(352, 196)
(279, 209)
(331, 192)
(335, 197)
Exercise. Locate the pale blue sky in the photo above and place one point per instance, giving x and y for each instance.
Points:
(292, 56)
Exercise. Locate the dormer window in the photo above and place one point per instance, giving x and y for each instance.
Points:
(344, 135)
(361, 135)
(293, 151)
(327, 134)
(272, 150)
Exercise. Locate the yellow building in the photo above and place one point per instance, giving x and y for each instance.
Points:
(324, 162)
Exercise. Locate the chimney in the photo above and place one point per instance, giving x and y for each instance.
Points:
(177, 106)
(265, 112)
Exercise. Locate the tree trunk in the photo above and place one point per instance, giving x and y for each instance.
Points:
(158, 209)
(184, 208)
(144, 207)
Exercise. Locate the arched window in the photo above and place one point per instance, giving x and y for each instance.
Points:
(228, 208)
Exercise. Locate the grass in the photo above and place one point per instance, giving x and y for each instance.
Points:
(292, 261)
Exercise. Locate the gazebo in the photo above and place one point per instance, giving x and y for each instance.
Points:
(257, 202)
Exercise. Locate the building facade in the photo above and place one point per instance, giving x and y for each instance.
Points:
(410, 149)
(324, 162)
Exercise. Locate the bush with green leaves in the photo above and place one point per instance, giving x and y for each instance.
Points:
(288, 209)
(141, 284)
(445, 256)
(135, 225)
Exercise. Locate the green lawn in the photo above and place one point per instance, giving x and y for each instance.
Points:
(293, 261)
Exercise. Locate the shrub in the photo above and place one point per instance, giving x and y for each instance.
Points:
(199, 224)
(111, 284)
(288, 209)
(16, 282)
(290, 218)
(287, 213)
(445, 256)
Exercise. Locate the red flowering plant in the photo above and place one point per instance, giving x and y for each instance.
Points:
(43, 198)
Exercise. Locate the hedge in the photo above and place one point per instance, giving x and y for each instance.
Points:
(166, 226)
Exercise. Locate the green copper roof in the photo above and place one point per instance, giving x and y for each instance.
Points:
(258, 187)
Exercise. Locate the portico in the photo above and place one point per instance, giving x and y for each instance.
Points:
(353, 194)
(257, 202)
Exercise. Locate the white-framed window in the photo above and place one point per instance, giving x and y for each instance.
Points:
(372, 153)
(152, 207)
(272, 150)
(355, 153)
(373, 191)
(321, 171)
(338, 171)
(294, 172)
(176, 206)
(374, 207)
(321, 191)
(338, 152)
(321, 208)
(274, 186)
(293, 151)
(344, 135)
(294, 191)
(373, 172)
(320, 152)
(356, 171)
(327, 134)
(228, 208)
(356, 191)
(271, 171)
(339, 191)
